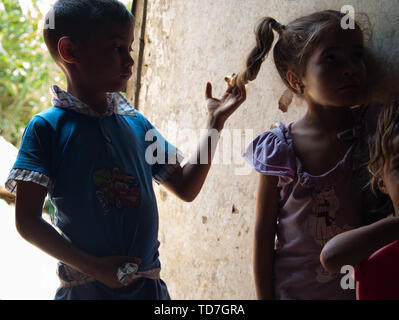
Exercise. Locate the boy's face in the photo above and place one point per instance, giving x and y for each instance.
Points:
(104, 62)
(391, 175)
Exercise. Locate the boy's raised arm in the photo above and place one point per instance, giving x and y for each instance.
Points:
(186, 182)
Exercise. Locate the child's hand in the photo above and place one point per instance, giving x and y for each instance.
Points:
(220, 110)
(107, 267)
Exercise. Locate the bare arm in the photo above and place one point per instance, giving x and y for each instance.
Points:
(186, 182)
(264, 236)
(33, 228)
(354, 246)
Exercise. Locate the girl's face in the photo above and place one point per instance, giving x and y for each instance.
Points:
(391, 175)
(104, 61)
(335, 74)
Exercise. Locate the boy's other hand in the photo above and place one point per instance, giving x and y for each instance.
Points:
(219, 110)
(106, 268)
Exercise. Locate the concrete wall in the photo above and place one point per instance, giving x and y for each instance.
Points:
(206, 245)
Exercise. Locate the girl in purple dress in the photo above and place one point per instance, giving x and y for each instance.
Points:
(312, 178)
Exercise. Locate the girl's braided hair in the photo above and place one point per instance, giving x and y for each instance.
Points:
(293, 47)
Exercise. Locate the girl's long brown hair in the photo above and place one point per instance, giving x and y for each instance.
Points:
(381, 143)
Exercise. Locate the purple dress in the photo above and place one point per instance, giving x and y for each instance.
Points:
(312, 209)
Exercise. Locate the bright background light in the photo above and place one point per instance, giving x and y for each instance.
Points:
(26, 273)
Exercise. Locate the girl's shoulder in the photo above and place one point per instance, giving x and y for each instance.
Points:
(272, 152)
(277, 138)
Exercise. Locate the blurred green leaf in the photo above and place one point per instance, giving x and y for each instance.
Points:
(26, 70)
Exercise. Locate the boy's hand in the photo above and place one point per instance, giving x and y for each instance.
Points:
(107, 267)
(219, 110)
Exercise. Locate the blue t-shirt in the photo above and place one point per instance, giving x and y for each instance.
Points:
(101, 186)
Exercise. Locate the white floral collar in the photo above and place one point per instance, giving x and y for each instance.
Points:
(117, 103)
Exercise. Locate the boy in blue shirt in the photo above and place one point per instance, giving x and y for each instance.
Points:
(89, 152)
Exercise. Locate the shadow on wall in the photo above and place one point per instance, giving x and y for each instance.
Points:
(382, 58)
(384, 77)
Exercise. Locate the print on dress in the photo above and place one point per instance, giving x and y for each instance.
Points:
(322, 223)
(115, 189)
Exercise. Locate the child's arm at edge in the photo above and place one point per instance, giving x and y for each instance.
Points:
(354, 246)
(264, 235)
(186, 182)
(33, 228)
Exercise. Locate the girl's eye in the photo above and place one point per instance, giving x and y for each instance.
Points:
(358, 55)
(331, 58)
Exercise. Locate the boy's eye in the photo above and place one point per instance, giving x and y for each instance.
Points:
(121, 48)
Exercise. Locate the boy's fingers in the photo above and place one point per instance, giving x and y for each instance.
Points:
(235, 91)
(135, 260)
(208, 91)
(230, 81)
(130, 259)
(243, 91)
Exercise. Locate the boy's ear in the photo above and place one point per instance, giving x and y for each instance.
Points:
(381, 185)
(67, 50)
(294, 81)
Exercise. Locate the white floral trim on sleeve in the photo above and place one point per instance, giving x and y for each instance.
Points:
(26, 175)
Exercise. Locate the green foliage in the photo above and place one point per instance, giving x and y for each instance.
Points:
(26, 69)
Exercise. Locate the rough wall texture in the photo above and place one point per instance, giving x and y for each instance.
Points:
(206, 245)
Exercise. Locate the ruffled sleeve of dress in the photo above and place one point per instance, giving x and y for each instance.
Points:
(272, 153)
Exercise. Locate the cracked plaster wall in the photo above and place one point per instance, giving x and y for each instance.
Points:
(206, 245)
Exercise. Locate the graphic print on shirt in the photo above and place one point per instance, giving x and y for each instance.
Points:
(322, 224)
(115, 189)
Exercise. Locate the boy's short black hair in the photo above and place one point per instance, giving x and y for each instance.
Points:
(80, 19)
